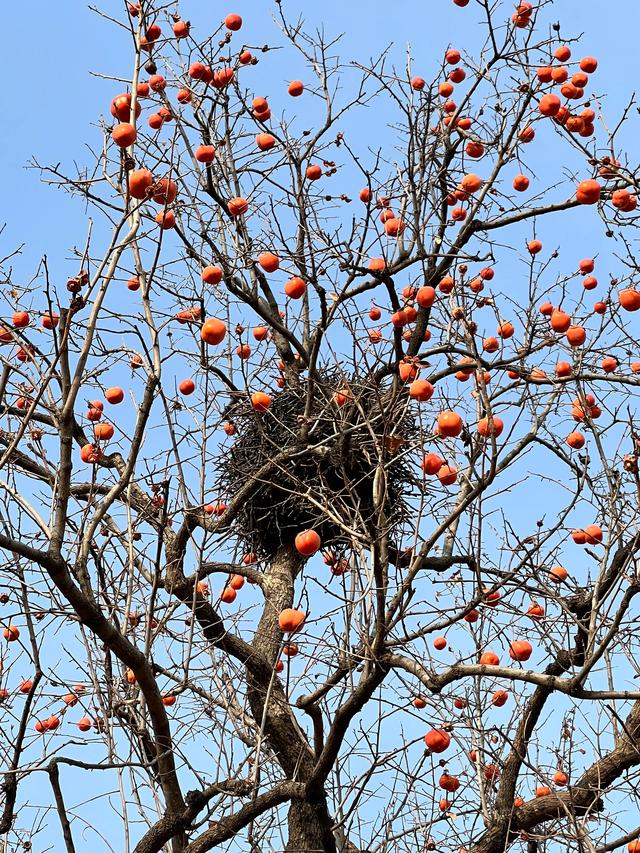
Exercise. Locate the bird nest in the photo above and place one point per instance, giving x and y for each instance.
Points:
(327, 481)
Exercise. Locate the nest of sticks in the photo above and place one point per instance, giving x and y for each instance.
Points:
(327, 483)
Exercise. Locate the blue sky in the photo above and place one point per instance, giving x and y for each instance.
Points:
(53, 105)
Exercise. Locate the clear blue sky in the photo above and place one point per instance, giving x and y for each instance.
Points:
(52, 104)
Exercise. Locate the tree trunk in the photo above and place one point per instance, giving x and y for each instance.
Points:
(309, 822)
(310, 828)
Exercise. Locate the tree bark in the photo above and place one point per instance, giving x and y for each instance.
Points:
(309, 821)
(309, 825)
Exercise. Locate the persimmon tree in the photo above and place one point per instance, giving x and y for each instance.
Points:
(319, 476)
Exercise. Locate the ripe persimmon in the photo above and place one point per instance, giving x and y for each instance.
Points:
(90, 453)
(342, 397)
(471, 183)
(394, 226)
(228, 595)
(421, 389)
(576, 335)
(474, 149)
(559, 75)
(521, 18)
(211, 274)
(499, 698)
(377, 265)
(140, 182)
(166, 219)
(237, 206)
(233, 22)
(593, 534)
(11, 633)
(449, 424)
(291, 620)
(260, 333)
(558, 574)
(490, 344)
(213, 331)
(588, 192)
(490, 426)
(307, 542)
(260, 401)
(265, 141)
(447, 475)
(425, 296)
(223, 77)
(448, 782)
(629, 299)
(491, 598)
(576, 440)
(181, 29)
(295, 288)
(121, 107)
(164, 191)
(157, 83)
(189, 314)
(437, 740)
(535, 610)
(560, 320)
(205, 153)
(21, 319)
(624, 200)
(103, 431)
(588, 64)
(549, 105)
(431, 463)
(520, 650)
(124, 134)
